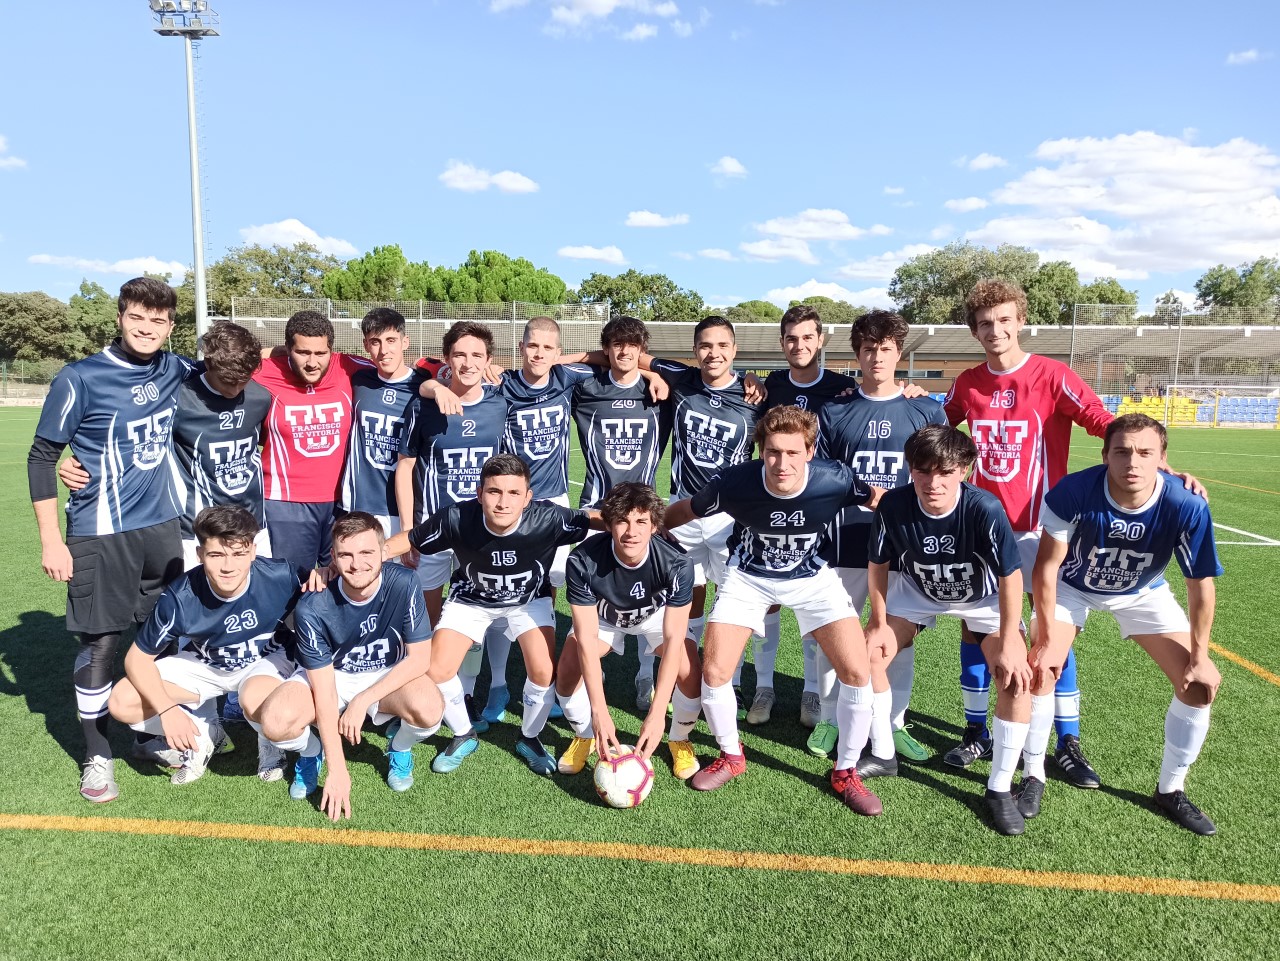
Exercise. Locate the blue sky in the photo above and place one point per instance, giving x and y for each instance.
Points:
(746, 149)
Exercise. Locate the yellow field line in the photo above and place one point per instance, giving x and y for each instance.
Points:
(1243, 487)
(648, 854)
(1247, 664)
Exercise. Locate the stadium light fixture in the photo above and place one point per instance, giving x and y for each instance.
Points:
(192, 20)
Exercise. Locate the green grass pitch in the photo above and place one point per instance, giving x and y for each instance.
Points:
(69, 894)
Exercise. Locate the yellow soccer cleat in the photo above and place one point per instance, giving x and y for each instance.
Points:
(684, 763)
(574, 758)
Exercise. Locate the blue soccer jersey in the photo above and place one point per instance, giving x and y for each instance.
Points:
(621, 431)
(1117, 551)
(779, 537)
(957, 558)
(226, 633)
(868, 434)
(494, 570)
(714, 427)
(625, 597)
(538, 419)
(117, 415)
(451, 450)
(380, 411)
(361, 636)
(785, 392)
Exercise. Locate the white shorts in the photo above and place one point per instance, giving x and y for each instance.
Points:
(1028, 547)
(351, 686)
(192, 674)
(907, 601)
(189, 545)
(855, 583)
(556, 577)
(472, 621)
(706, 540)
(817, 600)
(648, 633)
(434, 570)
(1155, 612)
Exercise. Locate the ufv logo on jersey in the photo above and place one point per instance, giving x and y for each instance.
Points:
(381, 438)
(233, 463)
(540, 431)
(317, 428)
(462, 468)
(1114, 570)
(707, 437)
(878, 463)
(504, 585)
(948, 583)
(999, 448)
(624, 441)
(150, 436)
(624, 619)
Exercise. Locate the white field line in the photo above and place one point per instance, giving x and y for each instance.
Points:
(1258, 539)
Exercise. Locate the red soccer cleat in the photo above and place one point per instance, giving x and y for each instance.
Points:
(854, 794)
(720, 771)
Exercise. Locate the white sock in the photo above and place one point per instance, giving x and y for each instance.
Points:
(737, 671)
(1007, 740)
(976, 701)
(470, 668)
(1185, 728)
(696, 626)
(577, 711)
(881, 726)
(307, 743)
(455, 708)
(408, 735)
(684, 715)
(1038, 732)
(497, 644)
(150, 725)
(764, 651)
(828, 688)
(809, 645)
(902, 675)
(721, 710)
(646, 666)
(537, 708)
(853, 717)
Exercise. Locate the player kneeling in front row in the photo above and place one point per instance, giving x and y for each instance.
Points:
(504, 546)
(363, 650)
(956, 554)
(1109, 533)
(229, 612)
(628, 581)
(782, 506)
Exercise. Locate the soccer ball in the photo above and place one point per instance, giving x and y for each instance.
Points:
(625, 779)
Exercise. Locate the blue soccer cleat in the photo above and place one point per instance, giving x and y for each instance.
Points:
(306, 776)
(399, 763)
(539, 759)
(455, 752)
(495, 708)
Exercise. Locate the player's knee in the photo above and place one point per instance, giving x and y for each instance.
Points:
(124, 704)
(1195, 694)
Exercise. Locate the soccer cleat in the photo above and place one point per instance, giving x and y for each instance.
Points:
(456, 751)
(495, 708)
(399, 763)
(644, 693)
(98, 781)
(271, 761)
(871, 766)
(574, 758)
(909, 747)
(823, 739)
(306, 776)
(976, 746)
(539, 759)
(761, 706)
(1029, 796)
(742, 707)
(194, 762)
(1005, 815)
(557, 712)
(156, 751)
(1178, 808)
(684, 763)
(854, 793)
(810, 709)
(1075, 767)
(222, 743)
(478, 723)
(231, 711)
(720, 772)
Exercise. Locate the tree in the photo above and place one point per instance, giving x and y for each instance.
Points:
(377, 275)
(488, 277)
(35, 326)
(1251, 285)
(833, 311)
(94, 313)
(754, 312)
(1053, 291)
(931, 288)
(1108, 290)
(645, 296)
(256, 271)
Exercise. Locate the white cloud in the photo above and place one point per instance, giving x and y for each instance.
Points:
(131, 266)
(870, 297)
(578, 14)
(286, 233)
(716, 253)
(728, 167)
(894, 191)
(1242, 58)
(783, 248)
(647, 218)
(987, 161)
(882, 266)
(965, 204)
(7, 160)
(463, 176)
(608, 255)
(816, 224)
(497, 6)
(942, 231)
(682, 255)
(641, 31)
(682, 28)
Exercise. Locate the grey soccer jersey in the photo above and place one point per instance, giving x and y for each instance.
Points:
(625, 596)
(621, 431)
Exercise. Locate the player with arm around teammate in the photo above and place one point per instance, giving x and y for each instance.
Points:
(957, 555)
(629, 581)
(1109, 533)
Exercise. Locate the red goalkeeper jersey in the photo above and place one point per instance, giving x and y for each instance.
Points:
(1021, 421)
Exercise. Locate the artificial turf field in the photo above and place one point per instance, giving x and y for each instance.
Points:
(492, 862)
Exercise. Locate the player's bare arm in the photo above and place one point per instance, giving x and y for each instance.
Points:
(335, 800)
(675, 627)
(158, 700)
(1052, 637)
(1201, 605)
(586, 634)
(404, 504)
(1009, 663)
(679, 513)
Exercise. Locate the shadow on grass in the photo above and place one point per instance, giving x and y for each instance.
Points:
(40, 654)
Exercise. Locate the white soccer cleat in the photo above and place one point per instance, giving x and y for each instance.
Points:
(98, 782)
(194, 762)
(271, 761)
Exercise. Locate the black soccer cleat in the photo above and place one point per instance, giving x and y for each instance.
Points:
(1032, 790)
(871, 766)
(1075, 767)
(1005, 816)
(1177, 807)
(975, 746)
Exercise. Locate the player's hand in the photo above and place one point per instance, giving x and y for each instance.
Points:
(72, 474)
(658, 390)
(1204, 672)
(912, 390)
(317, 580)
(879, 639)
(876, 494)
(448, 402)
(651, 731)
(352, 719)
(493, 374)
(335, 799)
(1043, 672)
(56, 561)
(410, 558)
(847, 392)
(607, 744)
(1191, 483)
(753, 391)
(179, 730)
(1011, 668)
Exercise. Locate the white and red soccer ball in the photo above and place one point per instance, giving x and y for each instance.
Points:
(625, 779)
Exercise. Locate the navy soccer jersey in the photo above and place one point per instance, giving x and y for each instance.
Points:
(451, 450)
(1117, 551)
(499, 571)
(380, 409)
(361, 636)
(868, 434)
(538, 421)
(117, 415)
(625, 596)
(226, 633)
(713, 426)
(779, 537)
(216, 460)
(957, 558)
(621, 431)
(785, 392)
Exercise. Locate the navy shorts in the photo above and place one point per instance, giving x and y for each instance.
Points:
(301, 533)
(116, 579)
